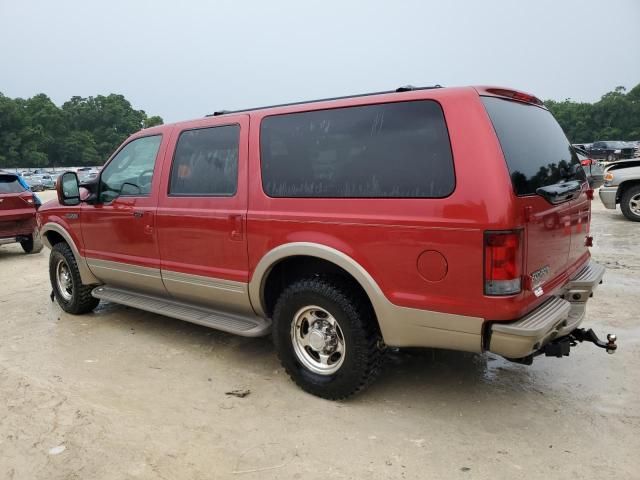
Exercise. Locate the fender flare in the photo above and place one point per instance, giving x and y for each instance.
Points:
(87, 277)
(287, 250)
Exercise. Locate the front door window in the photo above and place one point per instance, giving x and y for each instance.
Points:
(130, 173)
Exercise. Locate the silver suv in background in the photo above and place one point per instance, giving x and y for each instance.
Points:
(622, 186)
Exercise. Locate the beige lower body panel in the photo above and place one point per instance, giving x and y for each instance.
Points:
(209, 292)
(411, 327)
(126, 275)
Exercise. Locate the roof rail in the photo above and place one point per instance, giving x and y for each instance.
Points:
(405, 88)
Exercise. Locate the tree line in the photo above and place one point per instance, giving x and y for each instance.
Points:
(85, 131)
(616, 116)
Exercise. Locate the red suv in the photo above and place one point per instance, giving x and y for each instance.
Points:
(18, 214)
(451, 218)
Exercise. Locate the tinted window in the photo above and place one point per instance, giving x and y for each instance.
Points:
(536, 149)
(389, 150)
(10, 184)
(131, 170)
(206, 162)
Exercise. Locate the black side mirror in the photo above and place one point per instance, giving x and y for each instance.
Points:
(68, 189)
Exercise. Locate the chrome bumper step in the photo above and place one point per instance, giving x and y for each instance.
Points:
(243, 325)
(538, 322)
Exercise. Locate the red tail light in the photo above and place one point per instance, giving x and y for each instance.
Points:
(28, 198)
(586, 162)
(503, 262)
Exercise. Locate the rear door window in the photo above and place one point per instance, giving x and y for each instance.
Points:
(536, 149)
(206, 162)
(392, 150)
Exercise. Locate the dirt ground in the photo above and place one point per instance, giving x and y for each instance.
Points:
(127, 394)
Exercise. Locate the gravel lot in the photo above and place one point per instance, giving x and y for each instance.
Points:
(127, 394)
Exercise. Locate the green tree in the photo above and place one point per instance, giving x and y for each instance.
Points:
(616, 116)
(84, 131)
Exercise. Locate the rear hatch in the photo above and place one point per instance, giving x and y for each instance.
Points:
(15, 201)
(550, 186)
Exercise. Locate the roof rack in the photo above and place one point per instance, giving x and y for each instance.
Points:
(405, 88)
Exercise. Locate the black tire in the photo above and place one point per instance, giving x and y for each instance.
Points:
(33, 244)
(630, 194)
(362, 339)
(80, 300)
(611, 157)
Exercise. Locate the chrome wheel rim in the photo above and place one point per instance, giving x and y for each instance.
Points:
(634, 204)
(63, 278)
(318, 340)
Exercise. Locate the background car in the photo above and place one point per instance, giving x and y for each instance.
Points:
(611, 150)
(622, 186)
(18, 214)
(35, 184)
(47, 181)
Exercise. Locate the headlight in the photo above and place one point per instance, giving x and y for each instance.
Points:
(617, 151)
(608, 177)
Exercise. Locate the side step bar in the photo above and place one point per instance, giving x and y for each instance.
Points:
(244, 325)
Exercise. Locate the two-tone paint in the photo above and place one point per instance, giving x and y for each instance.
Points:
(219, 251)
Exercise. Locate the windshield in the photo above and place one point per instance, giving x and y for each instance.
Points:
(536, 149)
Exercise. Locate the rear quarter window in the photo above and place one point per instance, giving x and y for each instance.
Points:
(393, 150)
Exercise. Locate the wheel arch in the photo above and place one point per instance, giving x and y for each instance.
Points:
(52, 233)
(323, 255)
(624, 185)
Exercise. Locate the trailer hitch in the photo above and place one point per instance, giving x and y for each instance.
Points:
(561, 346)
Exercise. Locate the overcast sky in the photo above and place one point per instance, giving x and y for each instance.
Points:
(183, 59)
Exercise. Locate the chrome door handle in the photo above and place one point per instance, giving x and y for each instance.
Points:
(138, 214)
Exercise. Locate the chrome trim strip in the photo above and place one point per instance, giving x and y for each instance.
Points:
(202, 281)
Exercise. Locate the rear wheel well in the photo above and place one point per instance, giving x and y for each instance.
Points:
(290, 269)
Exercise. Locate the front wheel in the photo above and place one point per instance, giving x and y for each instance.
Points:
(630, 203)
(611, 157)
(326, 336)
(72, 296)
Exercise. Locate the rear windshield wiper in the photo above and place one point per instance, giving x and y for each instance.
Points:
(560, 192)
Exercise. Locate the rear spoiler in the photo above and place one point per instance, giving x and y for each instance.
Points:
(511, 94)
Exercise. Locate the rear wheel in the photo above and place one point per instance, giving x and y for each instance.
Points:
(33, 244)
(72, 296)
(611, 157)
(630, 203)
(327, 337)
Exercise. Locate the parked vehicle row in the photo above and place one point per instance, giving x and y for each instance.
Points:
(610, 151)
(343, 226)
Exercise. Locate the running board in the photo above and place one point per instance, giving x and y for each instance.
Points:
(244, 325)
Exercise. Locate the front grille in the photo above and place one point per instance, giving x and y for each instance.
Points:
(15, 228)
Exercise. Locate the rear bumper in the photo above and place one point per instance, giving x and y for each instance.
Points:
(555, 318)
(608, 196)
